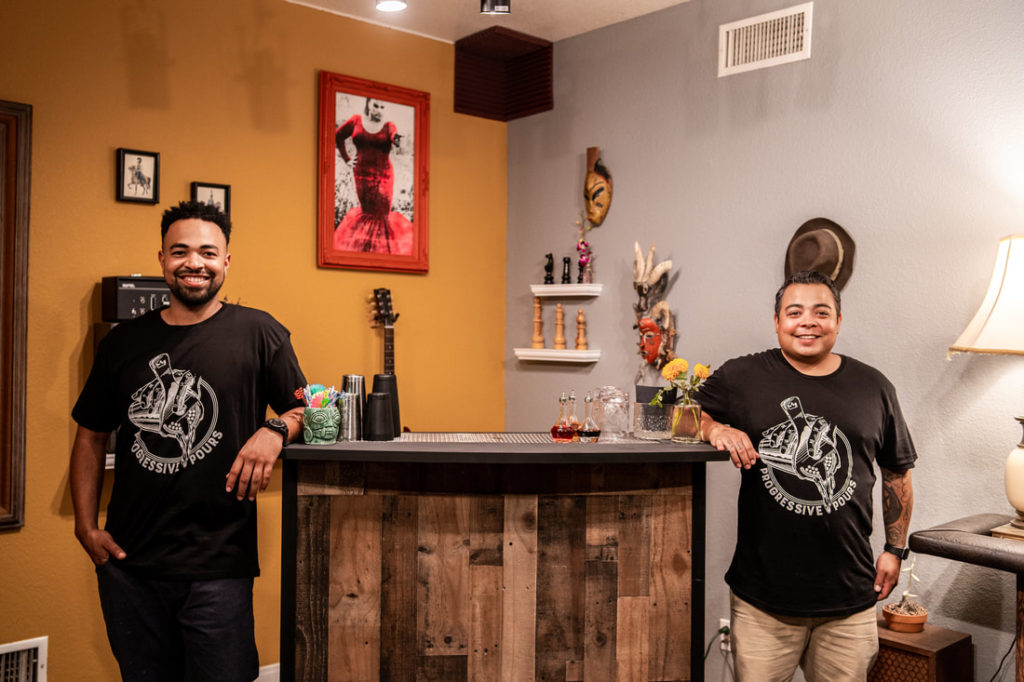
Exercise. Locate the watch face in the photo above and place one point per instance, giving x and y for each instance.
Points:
(277, 425)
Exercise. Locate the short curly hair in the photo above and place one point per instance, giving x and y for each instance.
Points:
(200, 211)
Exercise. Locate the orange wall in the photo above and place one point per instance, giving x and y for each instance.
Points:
(226, 92)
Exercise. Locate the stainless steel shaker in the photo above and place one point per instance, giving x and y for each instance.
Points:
(355, 384)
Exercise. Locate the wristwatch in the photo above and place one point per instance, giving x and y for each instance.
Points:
(901, 552)
(279, 426)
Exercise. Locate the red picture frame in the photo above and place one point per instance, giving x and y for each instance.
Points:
(373, 206)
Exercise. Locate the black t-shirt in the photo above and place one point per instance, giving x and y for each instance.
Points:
(185, 399)
(804, 511)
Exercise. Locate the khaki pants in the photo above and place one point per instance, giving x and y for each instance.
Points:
(769, 648)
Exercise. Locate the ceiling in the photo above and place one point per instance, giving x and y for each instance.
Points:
(449, 20)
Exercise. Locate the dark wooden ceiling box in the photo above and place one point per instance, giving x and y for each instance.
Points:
(503, 74)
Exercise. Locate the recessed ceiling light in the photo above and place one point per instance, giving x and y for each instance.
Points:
(391, 5)
(495, 6)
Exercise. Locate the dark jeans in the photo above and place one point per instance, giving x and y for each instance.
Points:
(170, 630)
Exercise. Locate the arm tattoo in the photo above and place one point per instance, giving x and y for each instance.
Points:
(897, 504)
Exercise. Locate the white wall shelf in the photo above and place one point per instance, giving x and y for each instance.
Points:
(566, 290)
(552, 355)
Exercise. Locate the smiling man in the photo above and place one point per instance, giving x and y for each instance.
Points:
(804, 581)
(187, 389)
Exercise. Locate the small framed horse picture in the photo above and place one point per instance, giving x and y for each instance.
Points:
(138, 176)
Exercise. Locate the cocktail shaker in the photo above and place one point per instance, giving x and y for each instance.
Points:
(355, 384)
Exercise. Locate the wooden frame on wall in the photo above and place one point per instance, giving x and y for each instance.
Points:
(15, 167)
(373, 204)
(212, 193)
(138, 176)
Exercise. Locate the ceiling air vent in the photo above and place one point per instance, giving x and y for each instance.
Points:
(765, 40)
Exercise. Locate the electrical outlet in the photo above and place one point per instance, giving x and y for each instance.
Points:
(726, 643)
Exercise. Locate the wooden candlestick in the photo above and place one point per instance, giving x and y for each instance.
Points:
(538, 325)
(581, 333)
(559, 328)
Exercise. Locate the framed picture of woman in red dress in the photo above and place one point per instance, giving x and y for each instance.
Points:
(373, 175)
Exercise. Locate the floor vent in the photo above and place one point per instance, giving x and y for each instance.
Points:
(765, 40)
(23, 661)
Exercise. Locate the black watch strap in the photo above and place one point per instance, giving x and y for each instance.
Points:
(901, 552)
(280, 427)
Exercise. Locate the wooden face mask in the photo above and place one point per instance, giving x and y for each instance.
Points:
(597, 193)
(650, 339)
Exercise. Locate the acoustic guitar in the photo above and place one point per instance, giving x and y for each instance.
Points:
(385, 316)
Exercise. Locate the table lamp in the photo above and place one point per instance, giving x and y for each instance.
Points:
(998, 327)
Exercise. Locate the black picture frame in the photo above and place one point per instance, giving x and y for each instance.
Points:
(213, 193)
(138, 176)
(15, 181)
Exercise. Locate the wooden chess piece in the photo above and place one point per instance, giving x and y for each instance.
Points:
(581, 334)
(566, 270)
(559, 343)
(538, 325)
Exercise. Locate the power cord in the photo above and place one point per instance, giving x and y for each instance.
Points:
(724, 630)
(1001, 662)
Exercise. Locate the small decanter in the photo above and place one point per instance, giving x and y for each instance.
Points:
(590, 431)
(562, 431)
(570, 414)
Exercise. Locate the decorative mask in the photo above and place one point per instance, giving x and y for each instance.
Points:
(597, 188)
(650, 339)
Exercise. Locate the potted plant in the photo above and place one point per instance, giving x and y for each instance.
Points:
(906, 615)
(685, 425)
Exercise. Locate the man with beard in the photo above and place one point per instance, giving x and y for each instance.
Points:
(806, 426)
(187, 389)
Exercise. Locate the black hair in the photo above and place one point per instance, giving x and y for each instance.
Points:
(808, 277)
(601, 170)
(200, 211)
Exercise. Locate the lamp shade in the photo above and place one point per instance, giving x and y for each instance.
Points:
(998, 326)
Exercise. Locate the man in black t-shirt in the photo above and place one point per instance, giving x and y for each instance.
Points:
(187, 389)
(804, 580)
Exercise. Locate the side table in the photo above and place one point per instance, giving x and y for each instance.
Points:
(969, 540)
(933, 655)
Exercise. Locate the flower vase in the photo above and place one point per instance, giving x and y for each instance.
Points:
(686, 422)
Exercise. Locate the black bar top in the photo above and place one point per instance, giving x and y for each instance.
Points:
(503, 448)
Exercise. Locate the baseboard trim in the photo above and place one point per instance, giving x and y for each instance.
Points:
(270, 673)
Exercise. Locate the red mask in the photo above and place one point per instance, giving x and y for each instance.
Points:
(650, 339)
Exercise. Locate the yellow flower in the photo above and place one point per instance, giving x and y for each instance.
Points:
(701, 371)
(674, 369)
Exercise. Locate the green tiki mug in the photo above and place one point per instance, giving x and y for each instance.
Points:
(320, 425)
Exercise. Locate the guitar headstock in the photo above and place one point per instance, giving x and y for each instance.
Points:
(383, 313)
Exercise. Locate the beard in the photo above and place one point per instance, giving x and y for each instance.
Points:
(191, 297)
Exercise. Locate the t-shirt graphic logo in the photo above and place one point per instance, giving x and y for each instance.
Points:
(176, 406)
(808, 465)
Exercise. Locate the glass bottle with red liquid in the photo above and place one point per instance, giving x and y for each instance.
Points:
(571, 414)
(563, 431)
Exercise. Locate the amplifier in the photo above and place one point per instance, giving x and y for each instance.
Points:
(127, 297)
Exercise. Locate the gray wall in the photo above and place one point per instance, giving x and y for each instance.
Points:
(905, 127)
